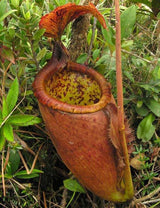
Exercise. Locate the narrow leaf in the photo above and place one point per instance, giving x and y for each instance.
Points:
(23, 120)
(37, 35)
(12, 95)
(4, 109)
(8, 132)
(8, 171)
(2, 139)
(73, 185)
(1, 118)
(24, 175)
(24, 172)
(15, 3)
(3, 7)
(41, 54)
(7, 14)
(28, 176)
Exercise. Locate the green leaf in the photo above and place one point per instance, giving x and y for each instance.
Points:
(142, 111)
(38, 34)
(7, 14)
(2, 139)
(41, 54)
(3, 7)
(139, 103)
(145, 129)
(73, 185)
(28, 176)
(23, 174)
(129, 75)
(82, 58)
(126, 44)
(59, 2)
(1, 118)
(108, 34)
(89, 37)
(23, 120)
(8, 132)
(149, 87)
(101, 60)
(128, 19)
(4, 108)
(7, 54)
(8, 173)
(14, 160)
(15, 3)
(27, 15)
(96, 53)
(12, 95)
(11, 32)
(154, 106)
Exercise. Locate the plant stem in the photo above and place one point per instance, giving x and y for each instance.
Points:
(118, 67)
(3, 179)
(72, 197)
(127, 174)
(149, 196)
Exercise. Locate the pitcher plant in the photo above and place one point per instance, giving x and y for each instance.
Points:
(81, 115)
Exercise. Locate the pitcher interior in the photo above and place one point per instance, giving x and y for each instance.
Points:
(73, 87)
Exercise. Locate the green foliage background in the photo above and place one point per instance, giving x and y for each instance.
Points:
(24, 51)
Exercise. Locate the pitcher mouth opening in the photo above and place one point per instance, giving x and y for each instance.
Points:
(74, 89)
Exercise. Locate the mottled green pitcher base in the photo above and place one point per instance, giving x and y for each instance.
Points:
(73, 87)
